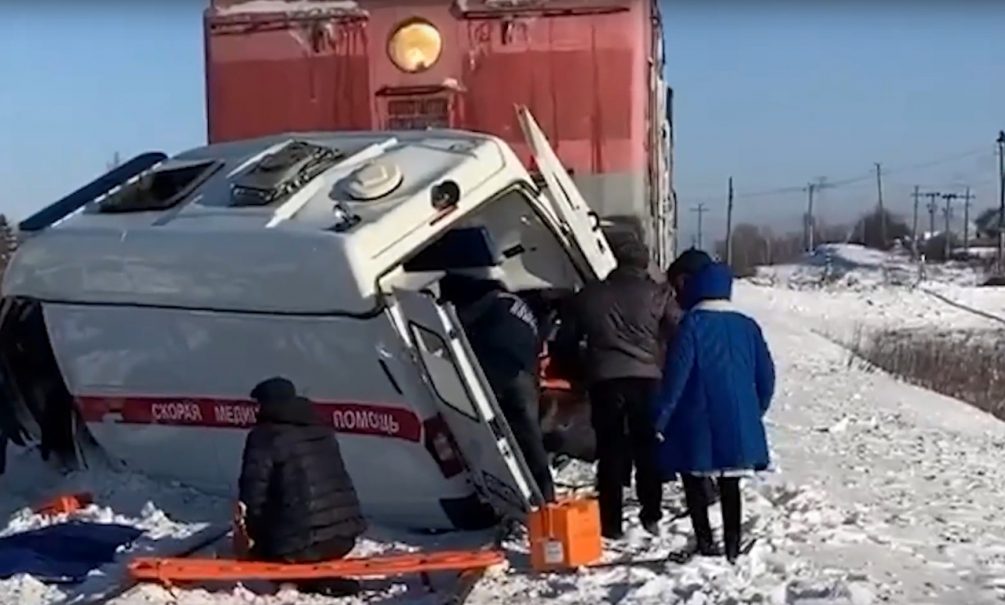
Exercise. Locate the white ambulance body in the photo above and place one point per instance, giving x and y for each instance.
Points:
(141, 310)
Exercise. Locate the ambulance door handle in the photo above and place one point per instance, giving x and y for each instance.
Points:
(596, 220)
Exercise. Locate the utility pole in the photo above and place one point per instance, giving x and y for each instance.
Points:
(701, 209)
(966, 220)
(914, 227)
(1001, 202)
(729, 225)
(882, 213)
(948, 213)
(932, 207)
(810, 189)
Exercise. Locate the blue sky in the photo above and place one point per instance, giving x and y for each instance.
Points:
(774, 96)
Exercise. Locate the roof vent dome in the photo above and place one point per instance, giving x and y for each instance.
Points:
(373, 181)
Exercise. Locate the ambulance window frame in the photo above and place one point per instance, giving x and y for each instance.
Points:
(418, 333)
(140, 190)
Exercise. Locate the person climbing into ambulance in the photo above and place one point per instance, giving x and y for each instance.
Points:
(718, 383)
(622, 320)
(504, 335)
(299, 504)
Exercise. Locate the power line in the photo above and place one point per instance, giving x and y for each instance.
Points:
(861, 178)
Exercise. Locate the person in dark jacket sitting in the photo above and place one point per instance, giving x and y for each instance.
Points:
(717, 386)
(624, 319)
(504, 334)
(300, 503)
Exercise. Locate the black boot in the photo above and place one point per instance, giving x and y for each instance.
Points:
(729, 489)
(697, 506)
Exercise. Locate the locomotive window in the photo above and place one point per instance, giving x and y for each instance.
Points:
(415, 46)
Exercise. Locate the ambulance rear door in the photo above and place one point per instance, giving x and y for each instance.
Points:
(467, 403)
(580, 224)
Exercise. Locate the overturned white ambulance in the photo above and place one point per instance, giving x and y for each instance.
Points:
(141, 310)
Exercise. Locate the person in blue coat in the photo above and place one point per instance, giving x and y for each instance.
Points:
(717, 385)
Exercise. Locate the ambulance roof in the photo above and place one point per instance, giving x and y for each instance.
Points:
(290, 256)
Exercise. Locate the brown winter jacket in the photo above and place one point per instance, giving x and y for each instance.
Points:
(625, 320)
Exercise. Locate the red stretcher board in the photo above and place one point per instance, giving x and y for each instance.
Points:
(173, 571)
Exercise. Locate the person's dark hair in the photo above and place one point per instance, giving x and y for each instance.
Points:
(630, 252)
(278, 402)
(460, 289)
(275, 389)
(688, 263)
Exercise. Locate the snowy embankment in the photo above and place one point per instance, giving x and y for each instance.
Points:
(883, 493)
(843, 289)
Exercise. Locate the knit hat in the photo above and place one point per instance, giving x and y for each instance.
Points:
(688, 263)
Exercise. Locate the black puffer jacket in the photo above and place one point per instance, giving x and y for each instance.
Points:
(298, 495)
(625, 319)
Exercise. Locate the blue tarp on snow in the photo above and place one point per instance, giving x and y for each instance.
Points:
(63, 553)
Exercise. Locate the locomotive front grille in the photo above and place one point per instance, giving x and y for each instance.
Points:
(418, 113)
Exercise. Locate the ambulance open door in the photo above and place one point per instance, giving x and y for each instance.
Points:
(579, 223)
(467, 404)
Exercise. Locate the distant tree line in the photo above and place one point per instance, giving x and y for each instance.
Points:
(755, 246)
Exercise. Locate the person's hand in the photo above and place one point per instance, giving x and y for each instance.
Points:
(659, 437)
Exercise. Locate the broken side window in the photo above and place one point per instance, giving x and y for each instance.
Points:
(161, 188)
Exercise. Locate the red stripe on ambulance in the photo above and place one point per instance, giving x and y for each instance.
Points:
(350, 418)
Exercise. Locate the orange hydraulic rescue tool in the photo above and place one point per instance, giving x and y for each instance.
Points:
(173, 571)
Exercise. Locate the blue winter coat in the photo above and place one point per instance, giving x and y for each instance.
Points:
(717, 384)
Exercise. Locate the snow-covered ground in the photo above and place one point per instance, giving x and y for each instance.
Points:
(845, 288)
(883, 492)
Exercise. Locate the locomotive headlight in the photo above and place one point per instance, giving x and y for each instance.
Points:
(415, 46)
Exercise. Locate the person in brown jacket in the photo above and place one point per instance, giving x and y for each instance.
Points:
(624, 320)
